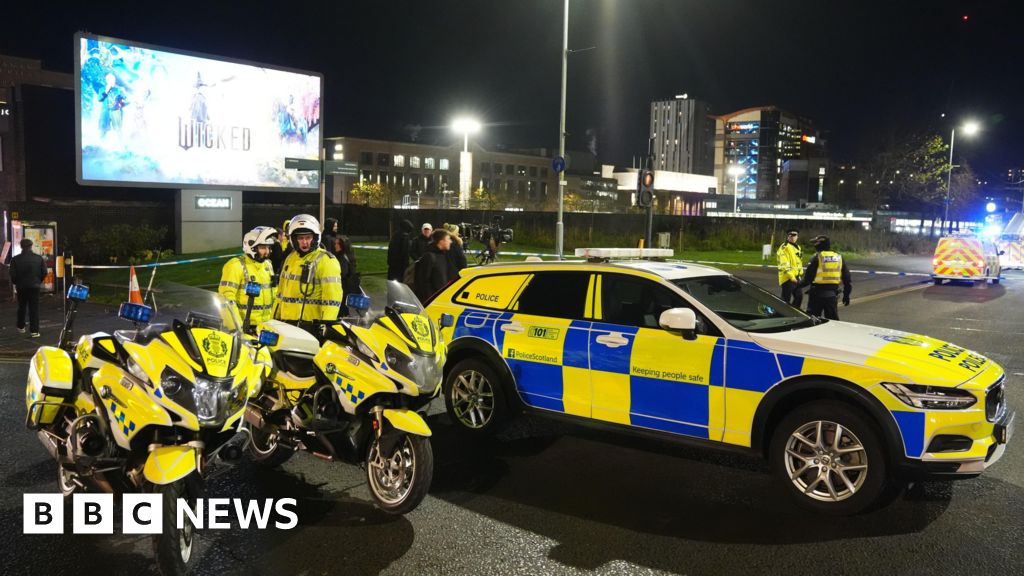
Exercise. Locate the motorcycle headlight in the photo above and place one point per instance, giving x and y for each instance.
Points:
(135, 370)
(366, 351)
(216, 399)
(931, 397)
(423, 369)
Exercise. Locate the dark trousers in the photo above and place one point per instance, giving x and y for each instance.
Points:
(824, 303)
(792, 293)
(28, 299)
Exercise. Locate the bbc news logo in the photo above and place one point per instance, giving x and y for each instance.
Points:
(143, 513)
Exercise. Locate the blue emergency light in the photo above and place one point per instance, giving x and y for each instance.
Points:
(268, 338)
(135, 312)
(253, 289)
(358, 301)
(78, 292)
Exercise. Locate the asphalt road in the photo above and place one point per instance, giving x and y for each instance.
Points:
(546, 498)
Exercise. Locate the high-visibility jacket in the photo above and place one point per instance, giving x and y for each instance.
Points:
(233, 277)
(320, 298)
(791, 263)
(830, 268)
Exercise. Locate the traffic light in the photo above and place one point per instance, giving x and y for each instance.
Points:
(645, 188)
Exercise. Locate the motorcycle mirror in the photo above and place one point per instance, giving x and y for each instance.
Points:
(268, 338)
(253, 289)
(447, 320)
(135, 312)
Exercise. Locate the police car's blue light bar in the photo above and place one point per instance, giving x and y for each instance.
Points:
(624, 252)
(78, 292)
(268, 338)
(253, 289)
(358, 301)
(135, 312)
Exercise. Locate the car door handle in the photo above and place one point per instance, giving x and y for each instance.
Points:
(613, 340)
(513, 327)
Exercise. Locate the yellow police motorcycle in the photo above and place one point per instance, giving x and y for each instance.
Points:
(350, 390)
(153, 409)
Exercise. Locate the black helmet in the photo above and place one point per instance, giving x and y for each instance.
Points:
(821, 242)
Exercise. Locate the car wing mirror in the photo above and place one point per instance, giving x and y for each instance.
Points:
(681, 319)
(447, 320)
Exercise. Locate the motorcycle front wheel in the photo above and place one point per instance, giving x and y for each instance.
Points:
(399, 481)
(174, 547)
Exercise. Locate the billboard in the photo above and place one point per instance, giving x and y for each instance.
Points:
(149, 116)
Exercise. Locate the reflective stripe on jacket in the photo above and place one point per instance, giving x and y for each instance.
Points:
(234, 275)
(320, 299)
(830, 268)
(791, 264)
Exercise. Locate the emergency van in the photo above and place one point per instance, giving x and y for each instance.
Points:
(1011, 244)
(965, 257)
(843, 412)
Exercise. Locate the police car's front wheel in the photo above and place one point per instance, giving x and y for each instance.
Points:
(828, 456)
(474, 397)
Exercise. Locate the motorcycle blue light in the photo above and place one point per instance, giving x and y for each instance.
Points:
(358, 301)
(135, 312)
(78, 292)
(253, 289)
(268, 338)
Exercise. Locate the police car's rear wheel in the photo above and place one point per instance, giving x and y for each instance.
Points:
(829, 457)
(473, 396)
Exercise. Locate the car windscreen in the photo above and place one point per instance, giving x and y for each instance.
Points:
(744, 305)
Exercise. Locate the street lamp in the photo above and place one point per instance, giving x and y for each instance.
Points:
(735, 171)
(969, 129)
(465, 126)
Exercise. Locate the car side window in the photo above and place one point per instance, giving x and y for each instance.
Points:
(555, 294)
(632, 301)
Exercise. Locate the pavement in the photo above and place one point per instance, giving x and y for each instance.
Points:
(549, 498)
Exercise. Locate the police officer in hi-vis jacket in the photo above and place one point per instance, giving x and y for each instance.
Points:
(823, 275)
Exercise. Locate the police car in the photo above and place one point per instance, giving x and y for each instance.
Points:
(843, 411)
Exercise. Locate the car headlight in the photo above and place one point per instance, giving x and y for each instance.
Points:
(931, 397)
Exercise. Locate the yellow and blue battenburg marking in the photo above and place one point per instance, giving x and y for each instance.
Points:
(127, 426)
(354, 394)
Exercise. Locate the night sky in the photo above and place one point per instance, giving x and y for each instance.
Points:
(402, 70)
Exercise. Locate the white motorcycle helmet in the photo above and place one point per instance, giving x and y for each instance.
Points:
(258, 236)
(304, 224)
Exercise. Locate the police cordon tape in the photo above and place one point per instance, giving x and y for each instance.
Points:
(538, 254)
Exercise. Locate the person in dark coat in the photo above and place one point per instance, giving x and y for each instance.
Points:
(27, 273)
(457, 253)
(432, 268)
(419, 244)
(330, 232)
(398, 251)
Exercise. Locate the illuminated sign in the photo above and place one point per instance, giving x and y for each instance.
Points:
(809, 139)
(220, 202)
(158, 117)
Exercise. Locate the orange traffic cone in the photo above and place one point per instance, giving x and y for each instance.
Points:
(134, 294)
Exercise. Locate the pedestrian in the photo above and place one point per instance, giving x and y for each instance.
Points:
(823, 275)
(398, 251)
(280, 250)
(27, 273)
(457, 254)
(252, 266)
(432, 268)
(310, 287)
(419, 244)
(791, 269)
(330, 232)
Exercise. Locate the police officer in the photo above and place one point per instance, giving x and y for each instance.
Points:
(310, 283)
(823, 275)
(791, 269)
(253, 266)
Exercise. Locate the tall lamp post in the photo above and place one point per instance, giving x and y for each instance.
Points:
(465, 126)
(969, 129)
(735, 171)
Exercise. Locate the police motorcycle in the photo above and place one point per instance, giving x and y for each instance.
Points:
(350, 390)
(154, 409)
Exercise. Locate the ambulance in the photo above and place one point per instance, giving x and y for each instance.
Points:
(1011, 244)
(966, 256)
(688, 353)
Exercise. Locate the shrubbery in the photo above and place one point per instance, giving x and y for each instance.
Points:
(123, 244)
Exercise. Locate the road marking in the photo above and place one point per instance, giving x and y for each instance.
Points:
(13, 360)
(861, 300)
